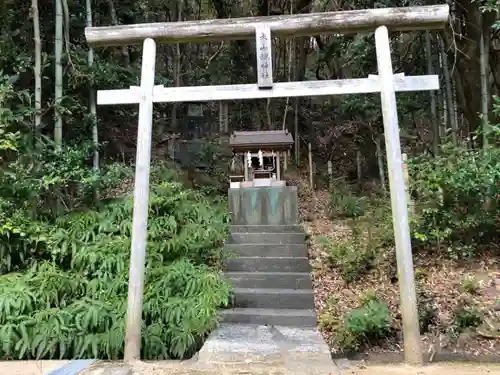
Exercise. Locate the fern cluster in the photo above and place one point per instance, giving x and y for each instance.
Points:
(63, 291)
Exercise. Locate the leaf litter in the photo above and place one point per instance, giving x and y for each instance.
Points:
(443, 283)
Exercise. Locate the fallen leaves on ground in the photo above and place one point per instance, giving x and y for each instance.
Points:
(443, 278)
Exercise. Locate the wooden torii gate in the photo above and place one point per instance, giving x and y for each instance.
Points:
(261, 28)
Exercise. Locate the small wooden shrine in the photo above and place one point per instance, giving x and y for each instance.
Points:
(258, 155)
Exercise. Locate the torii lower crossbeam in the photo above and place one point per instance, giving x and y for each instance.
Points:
(163, 94)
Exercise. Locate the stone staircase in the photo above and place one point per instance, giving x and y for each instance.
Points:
(270, 273)
(272, 319)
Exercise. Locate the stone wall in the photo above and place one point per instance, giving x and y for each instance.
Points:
(264, 206)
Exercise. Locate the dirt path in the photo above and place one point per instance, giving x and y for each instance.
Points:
(176, 368)
(29, 367)
(441, 369)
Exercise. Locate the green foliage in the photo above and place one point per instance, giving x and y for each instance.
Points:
(381, 223)
(466, 316)
(458, 196)
(343, 203)
(372, 321)
(366, 325)
(73, 303)
(64, 256)
(459, 192)
(470, 285)
(371, 238)
(353, 257)
(427, 309)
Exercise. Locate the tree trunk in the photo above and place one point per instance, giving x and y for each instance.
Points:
(448, 93)
(434, 119)
(38, 65)
(58, 73)
(485, 82)
(291, 50)
(467, 64)
(114, 21)
(177, 68)
(92, 94)
(299, 74)
(289, 70)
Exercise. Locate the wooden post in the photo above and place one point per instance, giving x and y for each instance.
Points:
(226, 117)
(278, 166)
(311, 179)
(223, 118)
(407, 186)
(305, 24)
(380, 163)
(358, 168)
(141, 205)
(330, 173)
(296, 131)
(408, 299)
(246, 167)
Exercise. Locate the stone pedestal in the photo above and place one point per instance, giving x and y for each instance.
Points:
(264, 205)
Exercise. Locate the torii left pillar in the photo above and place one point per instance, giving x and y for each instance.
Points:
(141, 203)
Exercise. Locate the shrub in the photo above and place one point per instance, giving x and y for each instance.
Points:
(354, 256)
(427, 311)
(71, 302)
(459, 193)
(352, 259)
(343, 203)
(470, 285)
(64, 254)
(368, 324)
(466, 316)
(372, 321)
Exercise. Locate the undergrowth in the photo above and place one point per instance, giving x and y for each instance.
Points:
(458, 198)
(360, 327)
(455, 199)
(71, 302)
(64, 253)
(370, 242)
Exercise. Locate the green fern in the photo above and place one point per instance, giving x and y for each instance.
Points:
(70, 302)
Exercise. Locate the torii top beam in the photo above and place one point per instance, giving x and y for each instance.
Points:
(344, 22)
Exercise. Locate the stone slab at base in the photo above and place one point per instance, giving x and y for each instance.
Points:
(288, 347)
(73, 367)
(109, 368)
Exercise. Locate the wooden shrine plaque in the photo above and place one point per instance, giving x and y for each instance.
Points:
(263, 43)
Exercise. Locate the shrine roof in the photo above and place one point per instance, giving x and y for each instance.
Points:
(266, 139)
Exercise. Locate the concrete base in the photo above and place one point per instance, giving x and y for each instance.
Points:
(292, 348)
(264, 206)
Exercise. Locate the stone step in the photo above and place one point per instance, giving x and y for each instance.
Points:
(268, 264)
(266, 229)
(266, 238)
(266, 250)
(273, 298)
(295, 350)
(275, 317)
(285, 280)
